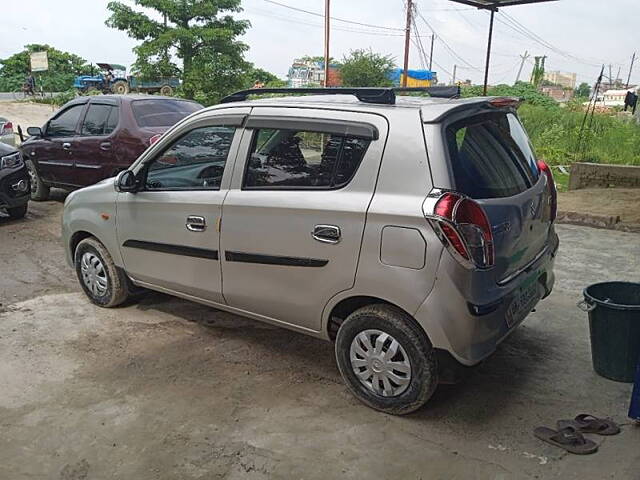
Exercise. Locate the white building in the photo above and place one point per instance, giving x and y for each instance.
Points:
(615, 98)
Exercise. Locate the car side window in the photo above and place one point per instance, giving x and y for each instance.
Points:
(100, 120)
(298, 159)
(64, 125)
(196, 161)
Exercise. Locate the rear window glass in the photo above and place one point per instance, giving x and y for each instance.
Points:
(491, 156)
(162, 112)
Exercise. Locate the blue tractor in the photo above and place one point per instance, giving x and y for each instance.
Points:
(111, 79)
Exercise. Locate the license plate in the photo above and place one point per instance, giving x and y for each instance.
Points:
(522, 304)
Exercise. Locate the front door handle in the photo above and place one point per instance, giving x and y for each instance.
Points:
(196, 224)
(326, 233)
(105, 146)
(66, 146)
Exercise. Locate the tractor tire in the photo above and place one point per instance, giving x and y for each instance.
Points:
(120, 87)
(166, 90)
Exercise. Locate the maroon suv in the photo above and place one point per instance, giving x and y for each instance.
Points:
(92, 138)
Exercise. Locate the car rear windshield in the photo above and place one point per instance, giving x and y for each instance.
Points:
(162, 112)
(491, 156)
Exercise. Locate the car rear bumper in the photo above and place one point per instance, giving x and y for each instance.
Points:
(471, 331)
(14, 187)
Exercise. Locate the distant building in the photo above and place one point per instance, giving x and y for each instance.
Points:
(564, 79)
(415, 78)
(303, 73)
(615, 98)
(559, 94)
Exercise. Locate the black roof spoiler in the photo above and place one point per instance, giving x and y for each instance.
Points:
(385, 96)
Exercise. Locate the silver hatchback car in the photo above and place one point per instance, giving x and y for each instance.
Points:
(414, 232)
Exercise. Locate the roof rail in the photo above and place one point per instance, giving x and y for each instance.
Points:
(386, 96)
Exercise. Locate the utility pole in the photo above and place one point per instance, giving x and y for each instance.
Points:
(433, 37)
(407, 40)
(633, 59)
(524, 59)
(453, 81)
(326, 43)
(486, 67)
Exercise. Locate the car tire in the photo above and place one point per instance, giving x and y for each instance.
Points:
(17, 212)
(400, 390)
(120, 87)
(105, 284)
(39, 191)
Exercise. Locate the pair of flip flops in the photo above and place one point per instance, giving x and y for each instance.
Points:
(569, 434)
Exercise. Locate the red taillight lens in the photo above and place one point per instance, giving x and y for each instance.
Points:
(154, 139)
(466, 227)
(544, 168)
(8, 128)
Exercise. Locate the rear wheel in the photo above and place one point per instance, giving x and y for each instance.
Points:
(166, 90)
(386, 360)
(120, 87)
(17, 212)
(104, 283)
(39, 191)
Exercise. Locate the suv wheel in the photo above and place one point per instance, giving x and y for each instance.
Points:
(39, 191)
(104, 283)
(386, 360)
(17, 212)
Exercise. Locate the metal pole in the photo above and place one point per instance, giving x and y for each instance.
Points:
(453, 81)
(633, 59)
(486, 68)
(433, 37)
(523, 57)
(407, 39)
(326, 42)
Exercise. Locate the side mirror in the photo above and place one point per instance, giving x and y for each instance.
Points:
(34, 131)
(126, 181)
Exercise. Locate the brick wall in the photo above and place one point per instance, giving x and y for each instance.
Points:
(586, 175)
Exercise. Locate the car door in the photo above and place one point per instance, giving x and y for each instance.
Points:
(168, 231)
(54, 153)
(295, 213)
(95, 152)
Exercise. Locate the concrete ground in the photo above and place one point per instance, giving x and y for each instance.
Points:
(166, 389)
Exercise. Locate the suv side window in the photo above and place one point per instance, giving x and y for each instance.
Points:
(195, 161)
(100, 120)
(64, 125)
(298, 159)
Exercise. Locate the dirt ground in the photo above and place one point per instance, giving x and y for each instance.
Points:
(26, 114)
(166, 389)
(603, 201)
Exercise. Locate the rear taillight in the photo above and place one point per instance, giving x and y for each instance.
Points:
(465, 229)
(7, 128)
(154, 139)
(553, 201)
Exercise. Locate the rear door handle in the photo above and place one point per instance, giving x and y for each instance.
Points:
(66, 146)
(196, 224)
(326, 233)
(105, 146)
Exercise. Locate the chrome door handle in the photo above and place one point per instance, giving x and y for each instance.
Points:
(326, 233)
(105, 146)
(66, 146)
(196, 224)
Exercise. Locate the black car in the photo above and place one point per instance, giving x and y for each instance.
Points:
(14, 182)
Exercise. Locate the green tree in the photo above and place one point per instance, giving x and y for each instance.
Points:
(203, 34)
(364, 68)
(522, 90)
(63, 68)
(583, 90)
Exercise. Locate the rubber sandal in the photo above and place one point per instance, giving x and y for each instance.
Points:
(568, 438)
(586, 423)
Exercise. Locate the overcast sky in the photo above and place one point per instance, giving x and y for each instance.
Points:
(576, 35)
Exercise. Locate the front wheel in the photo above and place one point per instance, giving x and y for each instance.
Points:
(39, 191)
(386, 360)
(101, 280)
(120, 87)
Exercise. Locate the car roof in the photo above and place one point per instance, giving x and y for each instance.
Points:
(115, 99)
(431, 108)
